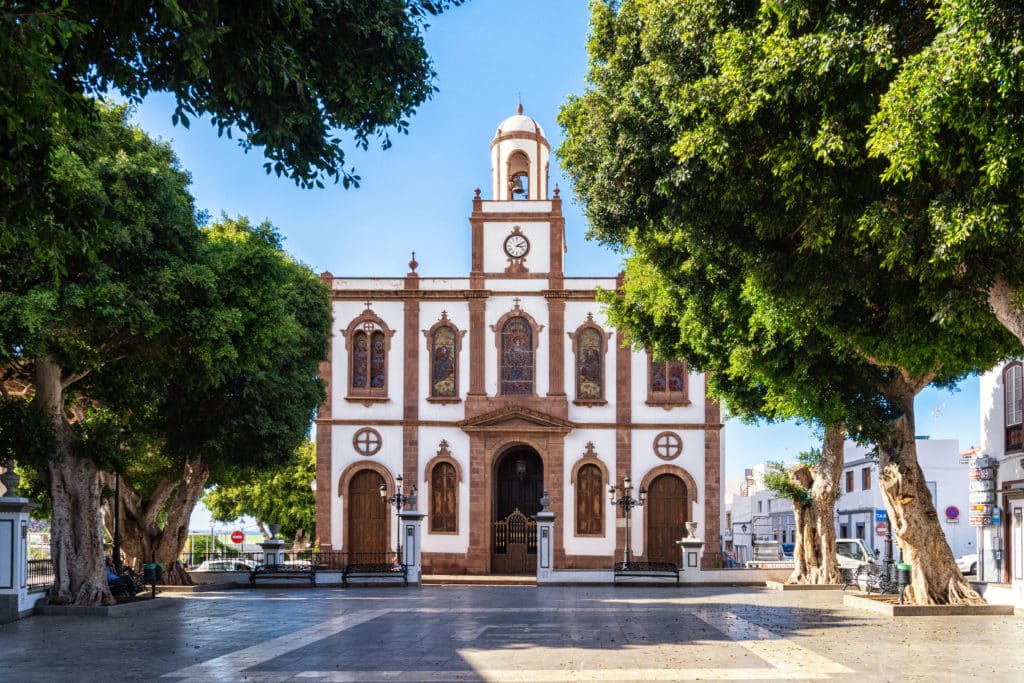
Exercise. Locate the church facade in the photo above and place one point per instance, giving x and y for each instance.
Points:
(485, 392)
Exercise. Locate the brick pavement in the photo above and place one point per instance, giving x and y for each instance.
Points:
(542, 634)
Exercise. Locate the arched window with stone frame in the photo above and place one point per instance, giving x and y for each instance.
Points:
(589, 345)
(443, 475)
(589, 501)
(517, 336)
(668, 382)
(444, 342)
(368, 342)
(1013, 392)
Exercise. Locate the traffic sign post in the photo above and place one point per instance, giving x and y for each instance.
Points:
(237, 537)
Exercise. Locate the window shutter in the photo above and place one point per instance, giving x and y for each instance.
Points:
(1012, 388)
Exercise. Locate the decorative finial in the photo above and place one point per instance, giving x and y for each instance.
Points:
(557, 191)
(520, 110)
(413, 263)
(476, 193)
(368, 304)
(516, 302)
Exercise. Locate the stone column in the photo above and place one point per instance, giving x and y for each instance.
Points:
(692, 549)
(545, 542)
(15, 601)
(412, 534)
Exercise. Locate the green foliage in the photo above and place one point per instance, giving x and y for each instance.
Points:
(777, 480)
(276, 495)
(723, 147)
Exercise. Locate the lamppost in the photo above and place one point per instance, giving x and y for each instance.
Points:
(627, 502)
(398, 501)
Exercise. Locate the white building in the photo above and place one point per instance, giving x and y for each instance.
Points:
(755, 513)
(490, 388)
(1001, 559)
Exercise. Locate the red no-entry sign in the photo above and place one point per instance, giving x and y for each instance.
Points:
(237, 537)
(880, 529)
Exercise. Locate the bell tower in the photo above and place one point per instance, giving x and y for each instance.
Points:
(519, 160)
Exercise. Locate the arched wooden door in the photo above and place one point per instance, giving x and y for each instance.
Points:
(667, 513)
(367, 514)
(519, 485)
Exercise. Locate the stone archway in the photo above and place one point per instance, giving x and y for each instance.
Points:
(518, 487)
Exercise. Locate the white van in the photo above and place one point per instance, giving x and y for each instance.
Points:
(852, 553)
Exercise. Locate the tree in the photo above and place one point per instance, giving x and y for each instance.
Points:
(722, 137)
(117, 302)
(238, 397)
(950, 124)
(279, 495)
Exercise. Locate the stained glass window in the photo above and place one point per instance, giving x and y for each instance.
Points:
(443, 498)
(368, 357)
(377, 366)
(443, 359)
(589, 365)
(589, 501)
(517, 358)
(668, 381)
(359, 357)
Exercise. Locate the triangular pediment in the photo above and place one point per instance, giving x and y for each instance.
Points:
(516, 418)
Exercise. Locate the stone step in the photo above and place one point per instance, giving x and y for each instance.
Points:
(479, 580)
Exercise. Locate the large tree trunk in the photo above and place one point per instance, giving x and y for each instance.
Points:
(142, 538)
(1002, 299)
(935, 577)
(814, 553)
(76, 540)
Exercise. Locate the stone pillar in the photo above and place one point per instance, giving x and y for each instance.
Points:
(15, 601)
(545, 542)
(273, 549)
(692, 549)
(412, 553)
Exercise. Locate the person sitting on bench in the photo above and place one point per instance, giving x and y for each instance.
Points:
(115, 580)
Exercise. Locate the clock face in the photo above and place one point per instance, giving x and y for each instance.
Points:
(516, 246)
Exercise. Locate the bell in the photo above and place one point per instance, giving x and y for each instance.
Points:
(517, 185)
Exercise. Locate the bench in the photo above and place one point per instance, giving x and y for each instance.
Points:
(628, 572)
(375, 570)
(284, 571)
(872, 576)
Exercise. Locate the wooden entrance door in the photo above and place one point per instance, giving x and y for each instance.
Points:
(367, 514)
(667, 514)
(519, 486)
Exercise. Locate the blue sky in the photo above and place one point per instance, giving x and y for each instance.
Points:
(416, 196)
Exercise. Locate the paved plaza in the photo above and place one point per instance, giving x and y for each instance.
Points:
(510, 634)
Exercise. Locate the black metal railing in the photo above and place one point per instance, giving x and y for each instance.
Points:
(40, 574)
(323, 561)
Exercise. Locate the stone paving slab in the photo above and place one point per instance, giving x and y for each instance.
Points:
(511, 634)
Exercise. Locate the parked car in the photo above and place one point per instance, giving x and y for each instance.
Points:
(968, 564)
(851, 553)
(237, 564)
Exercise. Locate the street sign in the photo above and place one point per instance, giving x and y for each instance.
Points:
(986, 497)
(881, 517)
(981, 510)
(987, 485)
(980, 520)
(880, 528)
(953, 512)
(237, 536)
(978, 475)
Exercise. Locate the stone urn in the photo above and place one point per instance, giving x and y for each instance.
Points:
(691, 529)
(9, 479)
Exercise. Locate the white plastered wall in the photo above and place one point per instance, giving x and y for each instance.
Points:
(537, 308)
(576, 315)
(644, 460)
(430, 314)
(458, 445)
(343, 455)
(392, 313)
(536, 260)
(575, 445)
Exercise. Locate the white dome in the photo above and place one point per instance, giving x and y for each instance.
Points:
(519, 123)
